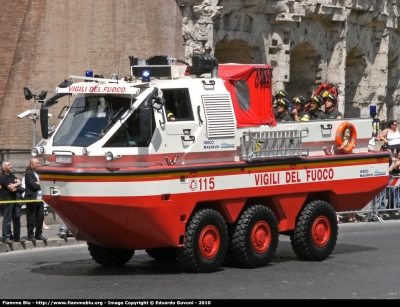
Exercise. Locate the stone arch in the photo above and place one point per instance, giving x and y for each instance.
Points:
(356, 65)
(305, 64)
(392, 96)
(237, 51)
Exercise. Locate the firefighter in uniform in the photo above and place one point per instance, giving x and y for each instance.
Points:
(298, 108)
(330, 103)
(315, 113)
(278, 95)
(170, 116)
(282, 106)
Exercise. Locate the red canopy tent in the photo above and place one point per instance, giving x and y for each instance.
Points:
(250, 87)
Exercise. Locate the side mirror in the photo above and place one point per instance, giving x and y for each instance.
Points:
(27, 93)
(146, 123)
(44, 122)
(157, 103)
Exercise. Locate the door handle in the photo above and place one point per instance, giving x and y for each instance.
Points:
(191, 138)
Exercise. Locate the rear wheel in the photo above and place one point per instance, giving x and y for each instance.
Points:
(315, 235)
(109, 256)
(255, 237)
(206, 242)
(163, 253)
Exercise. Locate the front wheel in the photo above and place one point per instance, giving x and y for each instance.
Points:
(254, 237)
(206, 242)
(109, 256)
(315, 235)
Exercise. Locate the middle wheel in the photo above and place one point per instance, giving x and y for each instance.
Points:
(254, 238)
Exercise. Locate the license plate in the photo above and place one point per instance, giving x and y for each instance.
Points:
(63, 159)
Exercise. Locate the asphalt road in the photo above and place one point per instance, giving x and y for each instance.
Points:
(364, 265)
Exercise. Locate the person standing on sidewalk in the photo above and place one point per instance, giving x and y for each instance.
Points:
(34, 210)
(9, 186)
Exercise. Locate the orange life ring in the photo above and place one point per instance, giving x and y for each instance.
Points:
(340, 133)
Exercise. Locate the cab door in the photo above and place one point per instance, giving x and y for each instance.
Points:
(179, 114)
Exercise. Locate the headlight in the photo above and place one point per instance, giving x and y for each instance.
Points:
(34, 152)
(109, 156)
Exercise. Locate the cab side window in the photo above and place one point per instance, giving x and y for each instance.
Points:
(177, 104)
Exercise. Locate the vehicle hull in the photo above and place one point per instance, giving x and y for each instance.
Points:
(139, 208)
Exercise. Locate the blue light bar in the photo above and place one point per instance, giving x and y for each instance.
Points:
(89, 73)
(372, 111)
(146, 76)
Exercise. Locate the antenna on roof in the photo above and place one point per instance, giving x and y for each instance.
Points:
(119, 61)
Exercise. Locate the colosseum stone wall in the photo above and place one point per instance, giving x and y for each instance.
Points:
(350, 43)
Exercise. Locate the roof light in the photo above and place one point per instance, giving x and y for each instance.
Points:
(146, 76)
(89, 73)
(372, 111)
(64, 84)
(114, 76)
(109, 156)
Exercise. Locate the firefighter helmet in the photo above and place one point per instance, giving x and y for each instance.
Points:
(326, 95)
(299, 99)
(316, 99)
(282, 94)
(283, 102)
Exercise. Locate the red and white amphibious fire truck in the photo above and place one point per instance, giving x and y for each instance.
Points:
(188, 163)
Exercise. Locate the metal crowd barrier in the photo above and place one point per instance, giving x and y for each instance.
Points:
(387, 201)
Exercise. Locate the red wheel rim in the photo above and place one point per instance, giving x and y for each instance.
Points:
(321, 231)
(209, 241)
(261, 237)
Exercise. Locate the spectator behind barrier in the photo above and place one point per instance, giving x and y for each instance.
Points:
(392, 193)
(391, 137)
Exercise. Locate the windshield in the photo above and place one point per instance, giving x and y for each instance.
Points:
(88, 119)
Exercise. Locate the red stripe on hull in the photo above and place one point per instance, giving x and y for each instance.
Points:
(109, 175)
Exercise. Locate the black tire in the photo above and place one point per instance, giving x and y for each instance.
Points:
(316, 232)
(163, 253)
(206, 242)
(109, 256)
(255, 237)
(228, 261)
